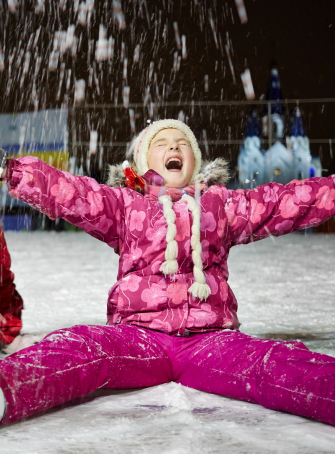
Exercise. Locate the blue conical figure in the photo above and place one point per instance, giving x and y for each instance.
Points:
(304, 165)
(253, 127)
(274, 93)
(251, 159)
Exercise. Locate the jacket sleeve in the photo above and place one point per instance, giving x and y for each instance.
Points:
(97, 209)
(275, 209)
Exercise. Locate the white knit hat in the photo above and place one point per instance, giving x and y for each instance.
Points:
(139, 148)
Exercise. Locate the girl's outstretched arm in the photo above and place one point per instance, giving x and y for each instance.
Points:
(97, 209)
(275, 209)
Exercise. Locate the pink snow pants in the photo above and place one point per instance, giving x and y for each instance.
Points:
(73, 362)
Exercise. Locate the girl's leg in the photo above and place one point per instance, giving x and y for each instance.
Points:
(279, 375)
(73, 362)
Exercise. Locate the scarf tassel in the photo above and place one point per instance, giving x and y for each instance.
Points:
(201, 291)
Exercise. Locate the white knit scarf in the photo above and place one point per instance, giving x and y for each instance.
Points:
(199, 288)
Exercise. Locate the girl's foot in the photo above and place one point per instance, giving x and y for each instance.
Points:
(22, 341)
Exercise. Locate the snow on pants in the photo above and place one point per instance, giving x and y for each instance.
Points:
(73, 362)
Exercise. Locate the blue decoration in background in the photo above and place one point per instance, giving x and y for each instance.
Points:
(274, 93)
(253, 126)
(297, 127)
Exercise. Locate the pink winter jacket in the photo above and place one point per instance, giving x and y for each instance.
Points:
(136, 228)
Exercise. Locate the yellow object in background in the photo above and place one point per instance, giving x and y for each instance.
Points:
(58, 159)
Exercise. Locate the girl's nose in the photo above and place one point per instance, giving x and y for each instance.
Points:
(174, 146)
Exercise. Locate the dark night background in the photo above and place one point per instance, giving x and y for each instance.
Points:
(298, 35)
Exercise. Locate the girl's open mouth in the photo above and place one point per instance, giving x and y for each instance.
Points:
(174, 163)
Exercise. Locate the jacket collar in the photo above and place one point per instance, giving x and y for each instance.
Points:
(154, 188)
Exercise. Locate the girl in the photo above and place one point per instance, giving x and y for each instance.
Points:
(171, 316)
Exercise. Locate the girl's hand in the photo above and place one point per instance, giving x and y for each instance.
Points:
(3, 163)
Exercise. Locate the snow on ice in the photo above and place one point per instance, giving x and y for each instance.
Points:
(285, 289)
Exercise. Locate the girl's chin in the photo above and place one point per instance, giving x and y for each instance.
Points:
(175, 183)
(175, 179)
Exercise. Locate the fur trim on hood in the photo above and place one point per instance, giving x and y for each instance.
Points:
(214, 172)
(211, 172)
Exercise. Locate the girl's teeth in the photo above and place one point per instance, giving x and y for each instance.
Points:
(170, 166)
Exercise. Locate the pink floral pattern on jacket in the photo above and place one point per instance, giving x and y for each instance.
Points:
(136, 228)
(63, 191)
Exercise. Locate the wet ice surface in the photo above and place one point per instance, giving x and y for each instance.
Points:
(285, 288)
(166, 419)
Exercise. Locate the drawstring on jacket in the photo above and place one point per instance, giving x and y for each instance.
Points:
(199, 288)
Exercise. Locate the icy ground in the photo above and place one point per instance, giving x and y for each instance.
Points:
(285, 288)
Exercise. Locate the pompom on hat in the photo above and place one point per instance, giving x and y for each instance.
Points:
(139, 148)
